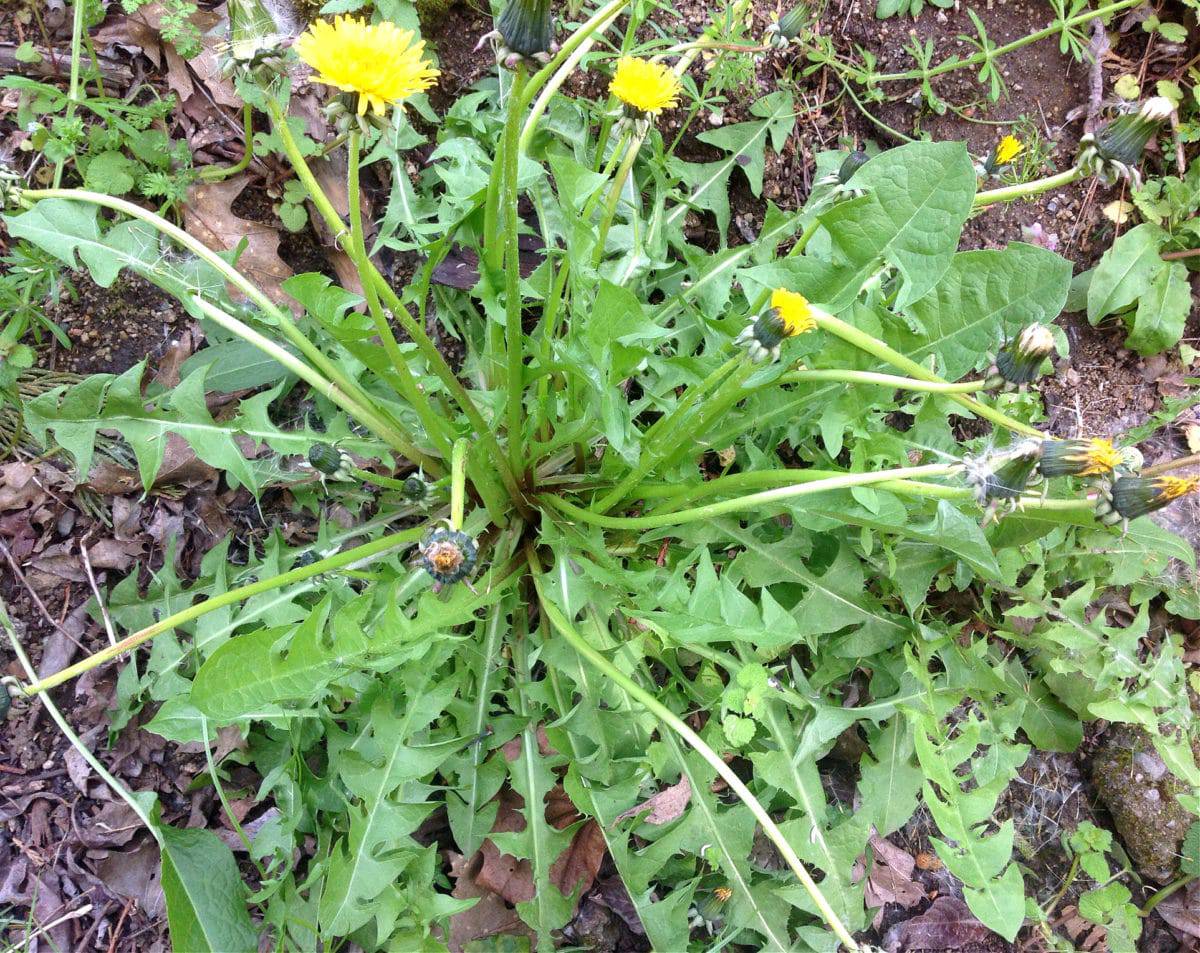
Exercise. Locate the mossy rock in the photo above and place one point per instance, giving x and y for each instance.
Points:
(431, 11)
(1140, 793)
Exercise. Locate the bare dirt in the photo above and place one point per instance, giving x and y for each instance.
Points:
(67, 845)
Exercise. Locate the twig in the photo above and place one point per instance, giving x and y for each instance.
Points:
(116, 933)
(87, 568)
(37, 600)
(1096, 50)
(1176, 255)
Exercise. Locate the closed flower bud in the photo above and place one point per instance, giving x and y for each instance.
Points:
(1079, 457)
(448, 555)
(1003, 474)
(526, 29)
(1114, 151)
(1134, 496)
(1020, 361)
(415, 489)
(789, 26)
(329, 461)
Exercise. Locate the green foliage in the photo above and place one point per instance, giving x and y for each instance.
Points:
(889, 613)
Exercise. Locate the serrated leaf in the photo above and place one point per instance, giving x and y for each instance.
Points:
(919, 196)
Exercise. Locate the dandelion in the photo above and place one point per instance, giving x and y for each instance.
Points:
(1080, 457)
(1020, 361)
(525, 30)
(329, 461)
(448, 555)
(1003, 475)
(789, 26)
(723, 894)
(1114, 151)
(1132, 496)
(789, 315)
(380, 62)
(646, 88)
(1003, 154)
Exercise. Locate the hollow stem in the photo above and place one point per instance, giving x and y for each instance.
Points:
(363, 413)
(73, 87)
(278, 316)
(1011, 193)
(668, 718)
(655, 451)
(229, 597)
(884, 380)
(218, 173)
(614, 197)
(513, 332)
(432, 422)
(876, 348)
(1161, 895)
(458, 461)
(752, 501)
(598, 22)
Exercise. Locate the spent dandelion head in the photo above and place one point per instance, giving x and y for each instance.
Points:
(644, 87)
(381, 62)
(1114, 151)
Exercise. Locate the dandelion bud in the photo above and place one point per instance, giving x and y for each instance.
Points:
(526, 28)
(1114, 151)
(1133, 496)
(1003, 474)
(448, 555)
(789, 315)
(1020, 361)
(1081, 458)
(329, 461)
(789, 26)
(415, 489)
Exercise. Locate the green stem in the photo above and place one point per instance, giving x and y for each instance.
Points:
(73, 88)
(389, 297)
(762, 499)
(1165, 892)
(218, 173)
(65, 727)
(279, 316)
(878, 349)
(227, 598)
(380, 427)
(681, 728)
(655, 450)
(953, 63)
(614, 197)
(884, 380)
(1011, 193)
(599, 21)
(433, 423)
(458, 461)
(514, 335)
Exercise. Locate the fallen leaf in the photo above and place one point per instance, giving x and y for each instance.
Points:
(209, 217)
(134, 875)
(947, 925)
(1118, 211)
(132, 34)
(664, 806)
(491, 916)
(1181, 910)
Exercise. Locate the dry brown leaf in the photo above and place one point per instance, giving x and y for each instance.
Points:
(132, 34)
(946, 925)
(491, 916)
(664, 806)
(209, 217)
(180, 467)
(1181, 910)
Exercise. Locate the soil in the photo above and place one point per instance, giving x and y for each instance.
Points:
(63, 831)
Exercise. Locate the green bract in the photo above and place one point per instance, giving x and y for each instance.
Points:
(660, 563)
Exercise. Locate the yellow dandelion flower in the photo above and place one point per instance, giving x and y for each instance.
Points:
(645, 87)
(722, 894)
(379, 61)
(793, 310)
(1092, 456)
(1008, 149)
(1172, 487)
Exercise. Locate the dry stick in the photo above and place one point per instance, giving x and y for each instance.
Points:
(87, 568)
(34, 597)
(1191, 459)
